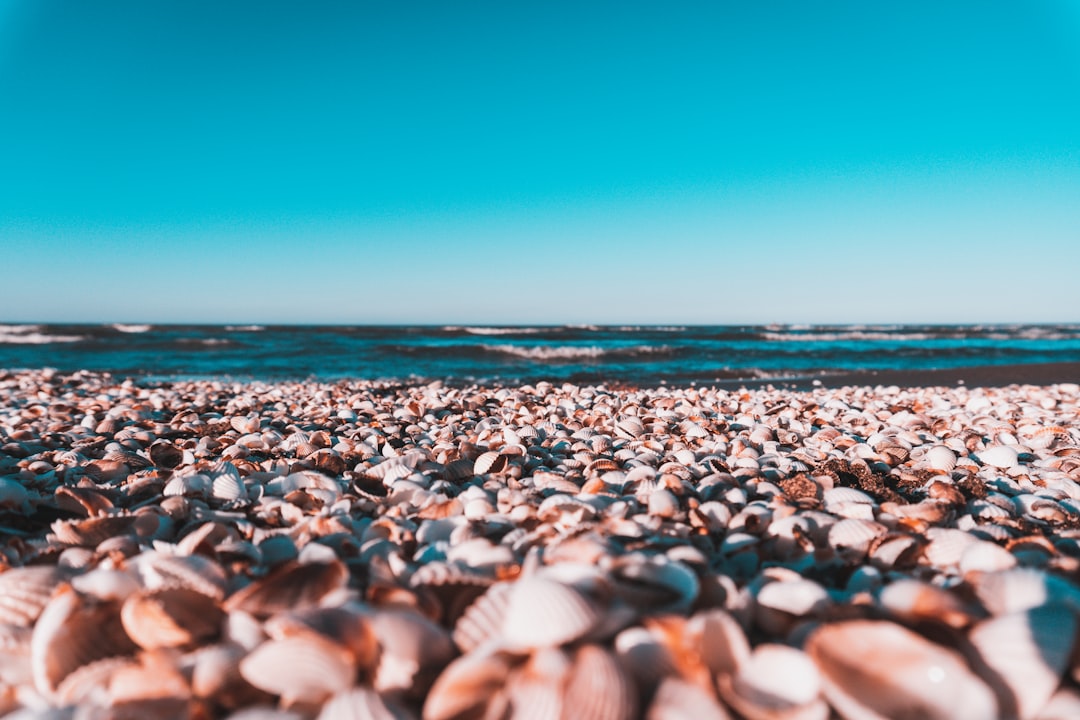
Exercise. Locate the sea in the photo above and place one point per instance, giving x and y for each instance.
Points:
(584, 354)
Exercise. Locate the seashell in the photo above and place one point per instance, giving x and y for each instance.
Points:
(470, 686)
(104, 584)
(245, 425)
(70, 634)
(851, 538)
(483, 620)
(290, 586)
(1024, 655)
(83, 501)
(776, 681)
(194, 485)
(1064, 705)
(598, 688)
(25, 591)
(779, 605)
(361, 703)
(91, 532)
(946, 546)
(173, 617)
(941, 458)
(915, 601)
(654, 585)
(877, 669)
(545, 613)
(998, 456)
(1019, 589)
(299, 669)
(228, 487)
(677, 699)
(629, 428)
(490, 462)
(412, 649)
(848, 502)
(985, 556)
(719, 640)
(194, 572)
(165, 454)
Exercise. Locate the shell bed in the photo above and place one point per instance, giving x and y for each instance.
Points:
(211, 549)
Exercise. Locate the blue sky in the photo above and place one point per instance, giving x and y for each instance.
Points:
(552, 162)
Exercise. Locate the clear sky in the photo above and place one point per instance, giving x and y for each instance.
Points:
(503, 162)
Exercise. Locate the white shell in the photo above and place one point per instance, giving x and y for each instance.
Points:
(999, 456)
(877, 669)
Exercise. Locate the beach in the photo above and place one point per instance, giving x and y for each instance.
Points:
(896, 543)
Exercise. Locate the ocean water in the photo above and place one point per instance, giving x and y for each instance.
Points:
(584, 354)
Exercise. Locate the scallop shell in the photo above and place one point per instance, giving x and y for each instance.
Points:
(1025, 655)
(411, 651)
(490, 462)
(165, 454)
(361, 703)
(941, 458)
(470, 685)
(598, 687)
(775, 682)
(194, 572)
(545, 613)
(291, 585)
(305, 668)
(175, 617)
(877, 669)
(71, 633)
(91, 532)
(999, 456)
(24, 593)
(228, 487)
(851, 538)
(677, 699)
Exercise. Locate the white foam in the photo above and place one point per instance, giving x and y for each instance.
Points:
(569, 352)
(124, 328)
(245, 328)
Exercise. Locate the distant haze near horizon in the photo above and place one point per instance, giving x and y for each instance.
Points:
(493, 163)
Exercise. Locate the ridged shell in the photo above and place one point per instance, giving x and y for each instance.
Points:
(71, 633)
(851, 537)
(468, 685)
(361, 703)
(999, 456)
(227, 487)
(194, 572)
(598, 687)
(941, 458)
(677, 699)
(165, 454)
(1026, 654)
(91, 532)
(175, 617)
(24, 592)
(490, 462)
(290, 586)
(544, 613)
(775, 682)
(1019, 589)
(303, 668)
(877, 669)
(483, 620)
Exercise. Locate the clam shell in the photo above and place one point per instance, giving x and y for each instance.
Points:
(305, 669)
(999, 456)
(468, 686)
(1024, 655)
(941, 458)
(361, 703)
(174, 617)
(851, 538)
(877, 669)
(483, 620)
(677, 699)
(71, 633)
(291, 585)
(656, 584)
(775, 682)
(598, 687)
(91, 532)
(194, 572)
(1019, 589)
(24, 593)
(544, 613)
(165, 454)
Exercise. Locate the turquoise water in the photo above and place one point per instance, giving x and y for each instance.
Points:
(644, 355)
